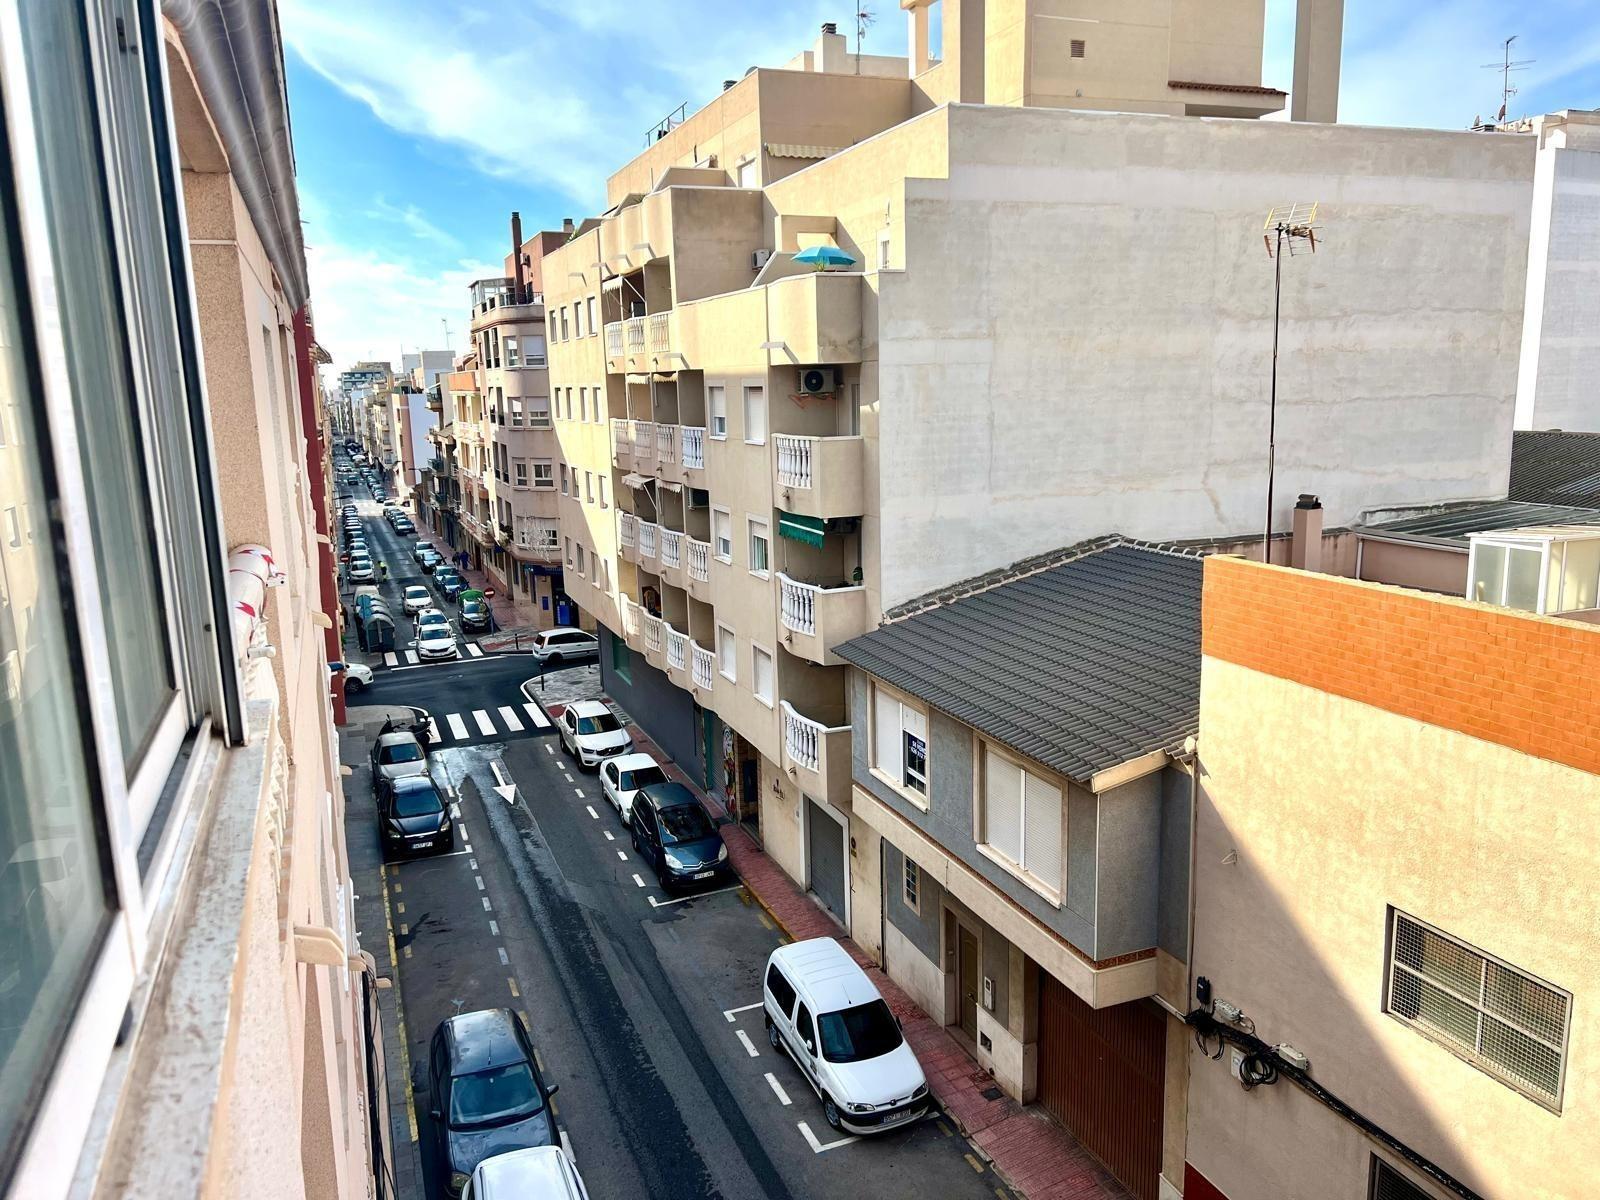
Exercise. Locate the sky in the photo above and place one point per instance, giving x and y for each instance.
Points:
(419, 125)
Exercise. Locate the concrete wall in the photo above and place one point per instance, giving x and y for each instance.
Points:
(1080, 339)
(1430, 568)
(662, 709)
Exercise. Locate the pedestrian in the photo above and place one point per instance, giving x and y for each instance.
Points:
(383, 570)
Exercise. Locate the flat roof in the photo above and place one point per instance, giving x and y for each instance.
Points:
(1453, 523)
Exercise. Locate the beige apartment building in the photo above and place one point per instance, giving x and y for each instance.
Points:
(1056, 323)
(185, 1005)
(1394, 879)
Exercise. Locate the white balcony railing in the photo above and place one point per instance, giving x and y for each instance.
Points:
(799, 604)
(667, 443)
(630, 617)
(803, 738)
(627, 526)
(660, 333)
(649, 535)
(621, 443)
(634, 329)
(794, 460)
(614, 340)
(643, 436)
(652, 630)
(702, 666)
(671, 548)
(677, 649)
(692, 439)
(699, 560)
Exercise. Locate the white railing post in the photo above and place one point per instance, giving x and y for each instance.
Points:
(694, 447)
(799, 605)
(794, 460)
(677, 649)
(626, 528)
(700, 560)
(652, 631)
(704, 664)
(671, 548)
(649, 537)
(614, 339)
(644, 438)
(660, 333)
(635, 334)
(619, 437)
(666, 445)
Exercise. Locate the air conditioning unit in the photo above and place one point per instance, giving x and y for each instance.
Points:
(758, 259)
(819, 381)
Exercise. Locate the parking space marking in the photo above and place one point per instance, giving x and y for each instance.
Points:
(730, 1013)
(589, 808)
(473, 864)
(458, 727)
(505, 959)
(823, 1147)
(697, 896)
(607, 832)
(485, 725)
(494, 928)
(462, 826)
(487, 907)
(509, 716)
(566, 1144)
(455, 809)
(783, 1096)
(400, 908)
(973, 1163)
(474, 649)
(411, 657)
(390, 658)
(749, 1046)
(512, 984)
(622, 855)
(478, 879)
(639, 882)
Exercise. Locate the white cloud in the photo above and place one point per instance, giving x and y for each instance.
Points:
(414, 221)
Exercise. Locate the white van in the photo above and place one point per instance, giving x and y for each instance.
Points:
(537, 1173)
(822, 1009)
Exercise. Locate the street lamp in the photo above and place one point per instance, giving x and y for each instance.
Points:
(1287, 226)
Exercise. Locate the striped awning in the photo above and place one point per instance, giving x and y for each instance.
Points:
(801, 529)
(634, 481)
(793, 150)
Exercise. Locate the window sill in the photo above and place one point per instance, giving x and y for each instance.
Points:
(717, 437)
(761, 442)
(1017, 873)
(914, 798)
(760, 699)
(729, 678)
(763, 575)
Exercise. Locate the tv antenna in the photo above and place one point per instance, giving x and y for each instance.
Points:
(1287, 227)
(864, 21)
(1506, 66)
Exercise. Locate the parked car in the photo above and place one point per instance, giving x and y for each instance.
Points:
(485, 1093)
(622, 777)
(416, 598)
(413, 817)
(475, 615)
(430, 562)
(537, 1173)
(823, 1011)
(361, 570)
(430, 617)
(405, 528)
(590, 732)
(420, 549)
(436, 642)
(357, 676)
(672, 833)
(564, 644)
(396, 754)
(448, 582)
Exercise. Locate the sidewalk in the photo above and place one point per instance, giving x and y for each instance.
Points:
(1038, 1158)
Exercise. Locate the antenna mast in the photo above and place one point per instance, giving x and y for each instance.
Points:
(1506, 66)
(864, 20)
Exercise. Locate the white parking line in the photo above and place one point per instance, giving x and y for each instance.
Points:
(509, 716)
(823, 1147)
(461, 828)
(505, 960)
(607, 832)
(474, 649)
(566, 1144)
(654, 903)
(540, 721)
(548, 748)
(783, 1096)
(411, 656)
(487, 907)
(473, 864)
(391, 659)
(458, 727)
(494, 928)
(478, 879)
(481, 716)
(749, 1046)
(579, 791)
(639, 882)
(455, 810)
(589, 808)
(730, 1013)
(623, 855)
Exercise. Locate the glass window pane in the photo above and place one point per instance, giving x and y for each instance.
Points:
(1580, 573)
(52, 892)
(99, 368)
(1522, 580)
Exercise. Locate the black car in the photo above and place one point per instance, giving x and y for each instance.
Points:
(413, 818)
(672, 832)
(474, 615)
(486, 1096)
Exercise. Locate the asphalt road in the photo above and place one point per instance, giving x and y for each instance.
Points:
(644, 1009)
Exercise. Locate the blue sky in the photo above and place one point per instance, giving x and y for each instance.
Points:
(421, 124)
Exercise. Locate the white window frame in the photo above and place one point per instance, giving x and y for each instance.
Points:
(716, 511)
(545, 477)
(771, 700)
(725, 631)
(714, 391)
(745, 389)
(910, 883)
(750, 523)
(877, 769)
(981, 746)
(594, 328)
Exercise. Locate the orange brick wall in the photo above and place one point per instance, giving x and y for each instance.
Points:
(1530, 683)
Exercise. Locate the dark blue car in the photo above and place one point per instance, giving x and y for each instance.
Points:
(672, 832)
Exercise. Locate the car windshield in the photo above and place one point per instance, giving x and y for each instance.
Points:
(436, 633)
(416, 802)
(426, 619)
(401, 752)
(605, 723)
(497, 1096)
(472, 609)
(684, 823)
(643, 777)
(416, 593)
(859, 1033)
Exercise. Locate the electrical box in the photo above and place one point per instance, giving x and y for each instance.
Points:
(988, 994)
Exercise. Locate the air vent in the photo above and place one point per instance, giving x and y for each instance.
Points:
(818, 381)
(1077, 48)
(1389, 1184)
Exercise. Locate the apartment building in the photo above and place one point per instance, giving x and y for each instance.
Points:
(1392, 880)
(410, 421)
(1056, 322)
(185, 1007)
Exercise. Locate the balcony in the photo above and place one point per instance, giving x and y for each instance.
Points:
(642, 436)
(817, 317)
(816, 755)
(672, 558)
(819, 476)
(699, 569)
(817, 618)
(621, 444)
(667, 453)
(615, 362)
(702, 668)
(628, 536)
(692, 447)
(649, 539)
(677, 657)
(655, 649)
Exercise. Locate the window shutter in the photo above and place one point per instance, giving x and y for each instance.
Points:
(915, 723)
(1041, 820)
(1002, 805)
(886, 733)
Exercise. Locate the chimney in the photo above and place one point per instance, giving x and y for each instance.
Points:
(1305, 547)
(516, 255)
(728, 83)
(566, 225)
(1318, 44)
(830, 27)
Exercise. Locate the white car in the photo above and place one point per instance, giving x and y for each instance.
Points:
(435, 641)
(536, 1173)
(621, 778)
(357, 676)
(361, 570)
(420, 549)
(591, 733)
(565, 645)
(416, 599)
(823, 1011)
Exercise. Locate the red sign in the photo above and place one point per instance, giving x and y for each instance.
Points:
(488, 593)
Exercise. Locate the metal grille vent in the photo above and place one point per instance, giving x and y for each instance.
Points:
(1498, 1018)
(1389, 1184)
(1077, 48)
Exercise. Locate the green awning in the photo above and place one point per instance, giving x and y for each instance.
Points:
(801, 529)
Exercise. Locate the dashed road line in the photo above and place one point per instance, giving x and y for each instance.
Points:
(589, 808)
(579, 792)
(505, 959)
(487, 907)
(639, 882)
(494, 928)
(973, 1163)
(391, 659)
(411, 657)
(478, 879)
(475, 650)
(607, 832)
(783, 1096)
(749, 1046)
(512, 984)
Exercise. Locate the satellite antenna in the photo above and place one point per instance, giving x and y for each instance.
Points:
(1288, 226)
(864, 20)
(1506, 66)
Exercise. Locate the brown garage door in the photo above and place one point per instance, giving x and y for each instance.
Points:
(1101, 1073)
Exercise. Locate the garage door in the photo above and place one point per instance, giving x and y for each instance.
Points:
(825, 852)
(1101, 1074)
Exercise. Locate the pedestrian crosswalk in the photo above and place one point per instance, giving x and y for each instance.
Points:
(478, 724)
(395, 658)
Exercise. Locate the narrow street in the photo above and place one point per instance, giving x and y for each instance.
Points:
(644, 1008)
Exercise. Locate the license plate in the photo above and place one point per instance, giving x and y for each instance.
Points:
(705, 875)
(421, 845)
(896, 1118)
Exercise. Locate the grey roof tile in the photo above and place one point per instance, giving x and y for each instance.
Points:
(1454, 522)
(1552, 466)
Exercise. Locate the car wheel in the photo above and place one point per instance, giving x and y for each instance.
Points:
(351, 686)
(553, 660)
(830, 1111)
(773, 1036)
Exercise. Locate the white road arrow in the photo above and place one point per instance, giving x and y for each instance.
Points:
(503, 784)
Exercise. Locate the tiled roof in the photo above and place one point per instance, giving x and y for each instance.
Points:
(1554, 467)
(1453, 523)
(1081, 660)
(1248, 89)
